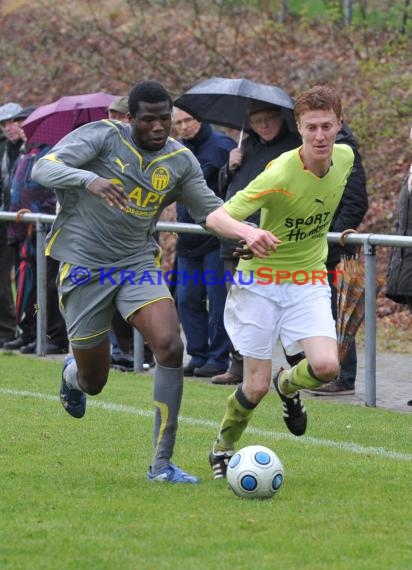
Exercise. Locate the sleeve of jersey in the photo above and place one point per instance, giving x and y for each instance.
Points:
(252, 198)
(60, 168)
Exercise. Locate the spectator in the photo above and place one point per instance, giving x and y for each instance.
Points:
(399, 281)
(14, 145)
(399, 278)
(28, 195)
(201, 292)
(121, 336)
(118, 110)
(24, 193)
(349, 214)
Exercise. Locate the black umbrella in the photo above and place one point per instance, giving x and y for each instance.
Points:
(223, 101)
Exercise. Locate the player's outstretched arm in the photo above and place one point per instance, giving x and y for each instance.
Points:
(260, 242)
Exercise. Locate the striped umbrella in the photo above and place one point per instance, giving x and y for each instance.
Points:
(350, 290)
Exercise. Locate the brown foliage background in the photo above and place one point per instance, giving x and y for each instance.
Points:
(49, 51)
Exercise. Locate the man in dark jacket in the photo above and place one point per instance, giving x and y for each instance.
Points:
(26, 194)
(201, 292)
(350, 213)
(399, 284)
(11, 149)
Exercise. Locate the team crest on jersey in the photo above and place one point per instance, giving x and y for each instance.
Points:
(160, 178)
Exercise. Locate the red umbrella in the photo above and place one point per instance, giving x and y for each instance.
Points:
(49, 123)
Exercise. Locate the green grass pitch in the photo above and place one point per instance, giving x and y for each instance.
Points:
(74, 493)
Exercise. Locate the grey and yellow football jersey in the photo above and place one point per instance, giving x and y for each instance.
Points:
(89, 232)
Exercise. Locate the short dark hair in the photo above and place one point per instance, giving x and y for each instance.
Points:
(320, 97)
(149, 92)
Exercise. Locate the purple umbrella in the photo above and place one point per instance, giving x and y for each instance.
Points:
(49, 123)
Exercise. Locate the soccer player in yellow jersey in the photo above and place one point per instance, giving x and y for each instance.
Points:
(286, 295)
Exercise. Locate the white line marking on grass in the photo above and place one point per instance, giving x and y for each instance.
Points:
(306, 440)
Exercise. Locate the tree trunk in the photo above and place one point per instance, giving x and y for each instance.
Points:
(282, 12)
(404, 19)
(347, 12)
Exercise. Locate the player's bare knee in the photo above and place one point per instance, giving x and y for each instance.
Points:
(257, 389)
(261, 390)
(326, 370)
(169, 351)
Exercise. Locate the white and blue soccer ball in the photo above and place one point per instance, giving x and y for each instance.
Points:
(255, 472)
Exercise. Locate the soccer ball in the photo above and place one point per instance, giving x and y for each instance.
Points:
(255, 472)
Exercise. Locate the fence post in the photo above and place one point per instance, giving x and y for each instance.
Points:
(369, 242)
(138, 351)
(41, 281)
(370, 324)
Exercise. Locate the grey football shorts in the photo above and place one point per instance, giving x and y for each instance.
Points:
(90, 297)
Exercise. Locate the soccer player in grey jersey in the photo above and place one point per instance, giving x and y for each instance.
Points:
(112, 180)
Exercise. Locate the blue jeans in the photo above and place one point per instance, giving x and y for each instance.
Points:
(200, 303)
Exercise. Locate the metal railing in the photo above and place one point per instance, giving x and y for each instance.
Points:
(367, 241)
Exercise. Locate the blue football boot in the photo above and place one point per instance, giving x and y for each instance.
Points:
(73, 401)
(171, 474)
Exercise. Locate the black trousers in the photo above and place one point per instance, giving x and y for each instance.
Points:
(56, 327)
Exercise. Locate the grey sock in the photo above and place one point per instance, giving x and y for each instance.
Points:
(167, 396)
(70, 375)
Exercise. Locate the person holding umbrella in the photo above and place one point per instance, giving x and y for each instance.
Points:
(288, 296)
(28, 196)
(112, 181)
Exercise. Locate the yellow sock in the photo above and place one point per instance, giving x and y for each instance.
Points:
(298, 377)
(234, 421)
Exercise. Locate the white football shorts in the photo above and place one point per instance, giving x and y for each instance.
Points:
(257, 316)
